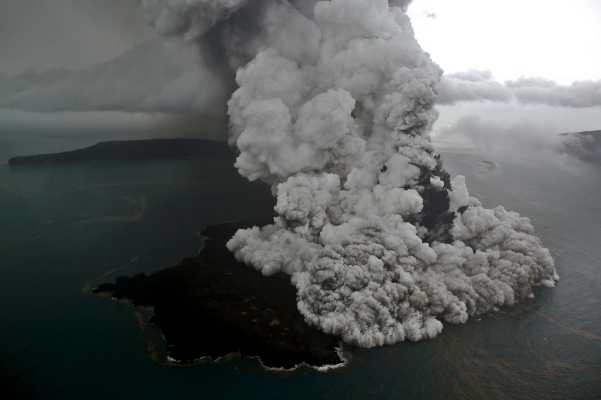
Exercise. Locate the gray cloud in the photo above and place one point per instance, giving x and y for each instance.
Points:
(66, 33)
(521, 140)
(505, 139)
(155, 76)
(585, 146)
(541, 91)
(481, 86)
(404, 4)
(472, 86)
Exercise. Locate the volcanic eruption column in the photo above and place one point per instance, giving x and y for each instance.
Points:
(334, 111)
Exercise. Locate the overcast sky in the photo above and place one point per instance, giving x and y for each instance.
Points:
(555, 39)
(552, 39)
(69, 33)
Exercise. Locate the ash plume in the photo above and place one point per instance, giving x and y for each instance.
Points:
(333, 108)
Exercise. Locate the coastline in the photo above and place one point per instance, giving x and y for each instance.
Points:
(213, 308)
(156, 343)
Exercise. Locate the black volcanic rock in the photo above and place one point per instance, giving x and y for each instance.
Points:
(131, 150)
(435, 216)
(213, 305)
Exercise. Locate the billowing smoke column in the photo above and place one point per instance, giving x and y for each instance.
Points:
(334, 111)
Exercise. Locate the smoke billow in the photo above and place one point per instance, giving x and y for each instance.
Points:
(504, 140)
(472, 86)
(334, 110)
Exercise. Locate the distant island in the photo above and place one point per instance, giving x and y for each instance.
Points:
(130, 150)
(583, 133)
(212, 306)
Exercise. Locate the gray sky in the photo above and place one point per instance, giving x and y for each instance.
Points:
(553, 39)
(68, 33)
(77, 34)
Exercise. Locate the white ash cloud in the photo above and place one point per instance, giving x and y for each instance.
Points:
(481, 86)
(381, 245)
(523, 141)
(504, 139)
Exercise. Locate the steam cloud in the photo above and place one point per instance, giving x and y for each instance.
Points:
(480, 85)
(524, 141)
(334, 110)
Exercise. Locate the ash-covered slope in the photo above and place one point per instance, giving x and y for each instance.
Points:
(334, 109)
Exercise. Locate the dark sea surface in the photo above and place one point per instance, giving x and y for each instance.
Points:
(65, 228)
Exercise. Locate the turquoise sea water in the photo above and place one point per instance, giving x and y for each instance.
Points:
(64, 228)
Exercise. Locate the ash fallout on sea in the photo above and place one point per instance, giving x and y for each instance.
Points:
(333, 107)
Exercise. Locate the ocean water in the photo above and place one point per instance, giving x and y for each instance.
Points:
(65, 228)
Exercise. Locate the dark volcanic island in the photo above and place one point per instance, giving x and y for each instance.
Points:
(208, 306)
(213, 306)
